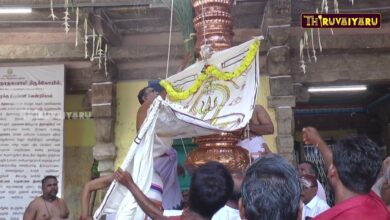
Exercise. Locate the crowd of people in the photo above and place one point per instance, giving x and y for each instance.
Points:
(270, 188)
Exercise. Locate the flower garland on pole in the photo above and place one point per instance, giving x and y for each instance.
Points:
(212, 71)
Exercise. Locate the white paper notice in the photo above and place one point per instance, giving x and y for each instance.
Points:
(31, 134)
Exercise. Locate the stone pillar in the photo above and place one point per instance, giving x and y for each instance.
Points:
(103, 112)
(282, 99)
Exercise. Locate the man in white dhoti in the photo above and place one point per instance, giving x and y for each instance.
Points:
(260, 124)
(166, 164)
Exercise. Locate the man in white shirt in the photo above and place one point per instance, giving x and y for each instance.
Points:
(309, 168)
(313, 205)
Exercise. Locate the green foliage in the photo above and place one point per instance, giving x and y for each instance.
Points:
(184, 14)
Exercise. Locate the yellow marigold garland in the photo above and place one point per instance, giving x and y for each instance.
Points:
(210, 71)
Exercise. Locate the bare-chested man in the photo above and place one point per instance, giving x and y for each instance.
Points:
(48, 206)
(260, 124)
(145, 97)
(166, 163)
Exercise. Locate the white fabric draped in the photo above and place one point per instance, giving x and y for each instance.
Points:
(216, 106)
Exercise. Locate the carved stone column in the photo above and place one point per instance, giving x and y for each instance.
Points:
(103, 112)
(103, 93)
(282, 99)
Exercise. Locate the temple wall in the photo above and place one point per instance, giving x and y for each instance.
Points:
(126, 112)
(79, 138)
(263, 93)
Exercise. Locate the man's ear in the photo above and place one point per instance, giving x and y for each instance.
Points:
(241, 209)
(332, 171)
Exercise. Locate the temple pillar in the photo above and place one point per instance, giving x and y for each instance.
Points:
(282, 99)
(103, 113)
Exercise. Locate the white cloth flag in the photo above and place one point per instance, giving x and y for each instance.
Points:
(217, 106)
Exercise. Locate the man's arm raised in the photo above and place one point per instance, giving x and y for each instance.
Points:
(144, 202)
(99, 183)
(311, 136)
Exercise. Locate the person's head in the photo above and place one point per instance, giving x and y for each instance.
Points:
(145, 93)
(238, 177)
(270, 190)
(211, 187)
(356, 164)
(309, 187)
(307, 167)
(49, 187)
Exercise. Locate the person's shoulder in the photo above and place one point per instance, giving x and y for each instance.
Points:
(260, 109)
(360, 207)
(258, 106)
(34, 204)
(359, 212)
(35, 201)
(322, 204)
(61, 200)
(141, 108)
(63, 203)
(332, 213)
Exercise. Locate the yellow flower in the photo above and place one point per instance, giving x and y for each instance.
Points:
(212, 71)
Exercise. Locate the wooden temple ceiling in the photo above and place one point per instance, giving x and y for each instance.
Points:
(137, 33)
(138, 36)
